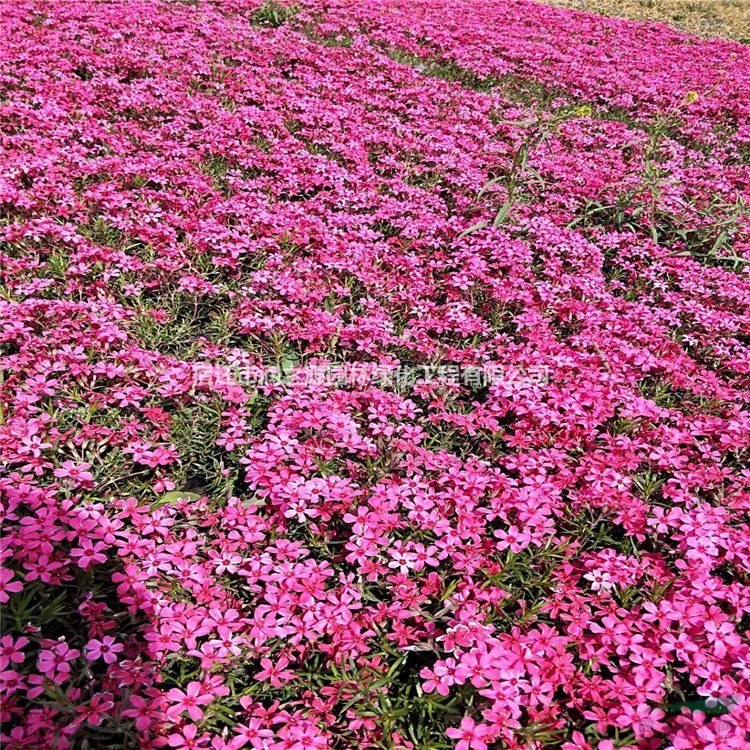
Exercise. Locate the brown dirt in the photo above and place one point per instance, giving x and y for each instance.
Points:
(714, 18)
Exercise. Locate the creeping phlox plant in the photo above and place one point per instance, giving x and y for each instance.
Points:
(299, 563)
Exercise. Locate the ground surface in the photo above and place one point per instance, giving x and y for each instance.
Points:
(715, 18)
(373, 375)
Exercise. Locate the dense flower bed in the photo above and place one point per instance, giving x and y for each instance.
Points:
(194, 194)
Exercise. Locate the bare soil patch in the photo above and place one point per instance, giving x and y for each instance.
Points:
(711, 18)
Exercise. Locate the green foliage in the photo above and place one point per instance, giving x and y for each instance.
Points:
(520, 176)
(205, 467)
(703, 230)
(273, 14)
(444, 70)
(177, 321)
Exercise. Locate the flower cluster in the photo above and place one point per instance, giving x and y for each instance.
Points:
(431, 186)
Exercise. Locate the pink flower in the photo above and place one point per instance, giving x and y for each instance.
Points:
(469, 735)
(54, 660)
(274, 671)
(444, 675)
(107, 649)
(96, 710)
(78, 473)
(8, 585)
(190, 700)
(11, 650)
(89, 553)
(145, 712)
(188, 739)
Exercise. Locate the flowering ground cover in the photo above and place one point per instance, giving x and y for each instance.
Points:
(528, 530)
